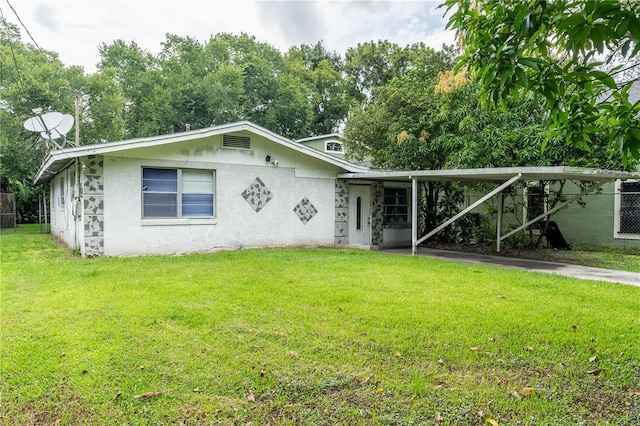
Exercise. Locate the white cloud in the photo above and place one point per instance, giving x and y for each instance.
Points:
(75, 28)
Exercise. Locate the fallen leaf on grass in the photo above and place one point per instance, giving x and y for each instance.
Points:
(594, 371)
(492, 422)
(528, 348)
(441, 361)
(399, 355)
(593, 358)
(528, 391)
(147, 395)
(118, 394)
(380, 390)
(438, 384)
(634, 392)
(474, 349)
(439, 417)
(140, 367)
(480, 414)
(250, 396)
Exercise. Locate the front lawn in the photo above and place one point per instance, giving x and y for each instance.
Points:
(318, 336)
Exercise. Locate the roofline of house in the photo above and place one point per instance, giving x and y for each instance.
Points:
(61, 157)
(499, 174)
(313, 138)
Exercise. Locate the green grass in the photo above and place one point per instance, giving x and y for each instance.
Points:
(315, 336)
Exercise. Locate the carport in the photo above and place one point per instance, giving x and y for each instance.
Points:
(502, 177)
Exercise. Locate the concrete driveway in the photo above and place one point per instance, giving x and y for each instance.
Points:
(576, 271)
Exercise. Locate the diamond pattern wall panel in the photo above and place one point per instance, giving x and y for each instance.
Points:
(257, 195)
(305, 210)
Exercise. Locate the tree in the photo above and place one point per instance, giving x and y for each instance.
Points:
(30, 78)
(563, 50)
(330, 93)
(397, 129)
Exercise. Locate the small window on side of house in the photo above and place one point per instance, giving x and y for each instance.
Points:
(333, 146)
(61, 193)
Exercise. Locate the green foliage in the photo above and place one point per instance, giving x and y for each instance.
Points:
(308, 337)
(569, 52)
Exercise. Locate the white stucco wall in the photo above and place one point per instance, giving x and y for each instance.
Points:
(236, 224)
(61, 208)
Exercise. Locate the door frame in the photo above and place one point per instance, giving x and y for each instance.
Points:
(364, 234)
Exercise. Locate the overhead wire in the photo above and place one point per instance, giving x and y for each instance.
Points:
(27, 31)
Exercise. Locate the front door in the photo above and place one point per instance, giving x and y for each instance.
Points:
(359, 215)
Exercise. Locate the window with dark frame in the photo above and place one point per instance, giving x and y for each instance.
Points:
(177, 193)
(396, 206)
(630, 208)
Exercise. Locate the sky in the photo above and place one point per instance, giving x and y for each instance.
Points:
(75, 28)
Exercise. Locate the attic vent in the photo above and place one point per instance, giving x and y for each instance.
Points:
(233, 141)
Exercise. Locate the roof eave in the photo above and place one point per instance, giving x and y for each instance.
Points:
(45, 173)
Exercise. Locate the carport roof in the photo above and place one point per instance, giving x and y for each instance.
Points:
(495, 175)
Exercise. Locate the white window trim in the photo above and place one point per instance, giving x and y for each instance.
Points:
(330, 151)
(61, 198)
(180, 220)
(407, 224)
(617, 201)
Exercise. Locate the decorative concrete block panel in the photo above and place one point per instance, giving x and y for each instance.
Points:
(94, 205)
(94, 165)
(377, 213)
(342, 194)
(93, 246)
(257, 195)
(305, 210)
(341, 241)
(93, 226)
(342, 214)
(93, 184)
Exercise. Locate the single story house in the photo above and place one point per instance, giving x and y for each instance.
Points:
(240, 185)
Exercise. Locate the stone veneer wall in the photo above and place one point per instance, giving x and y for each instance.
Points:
(93, 206)
(377, 207)
(342, 213)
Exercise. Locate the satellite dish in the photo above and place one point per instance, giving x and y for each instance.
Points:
(43, 123)
(52, 125)
(61, 130)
